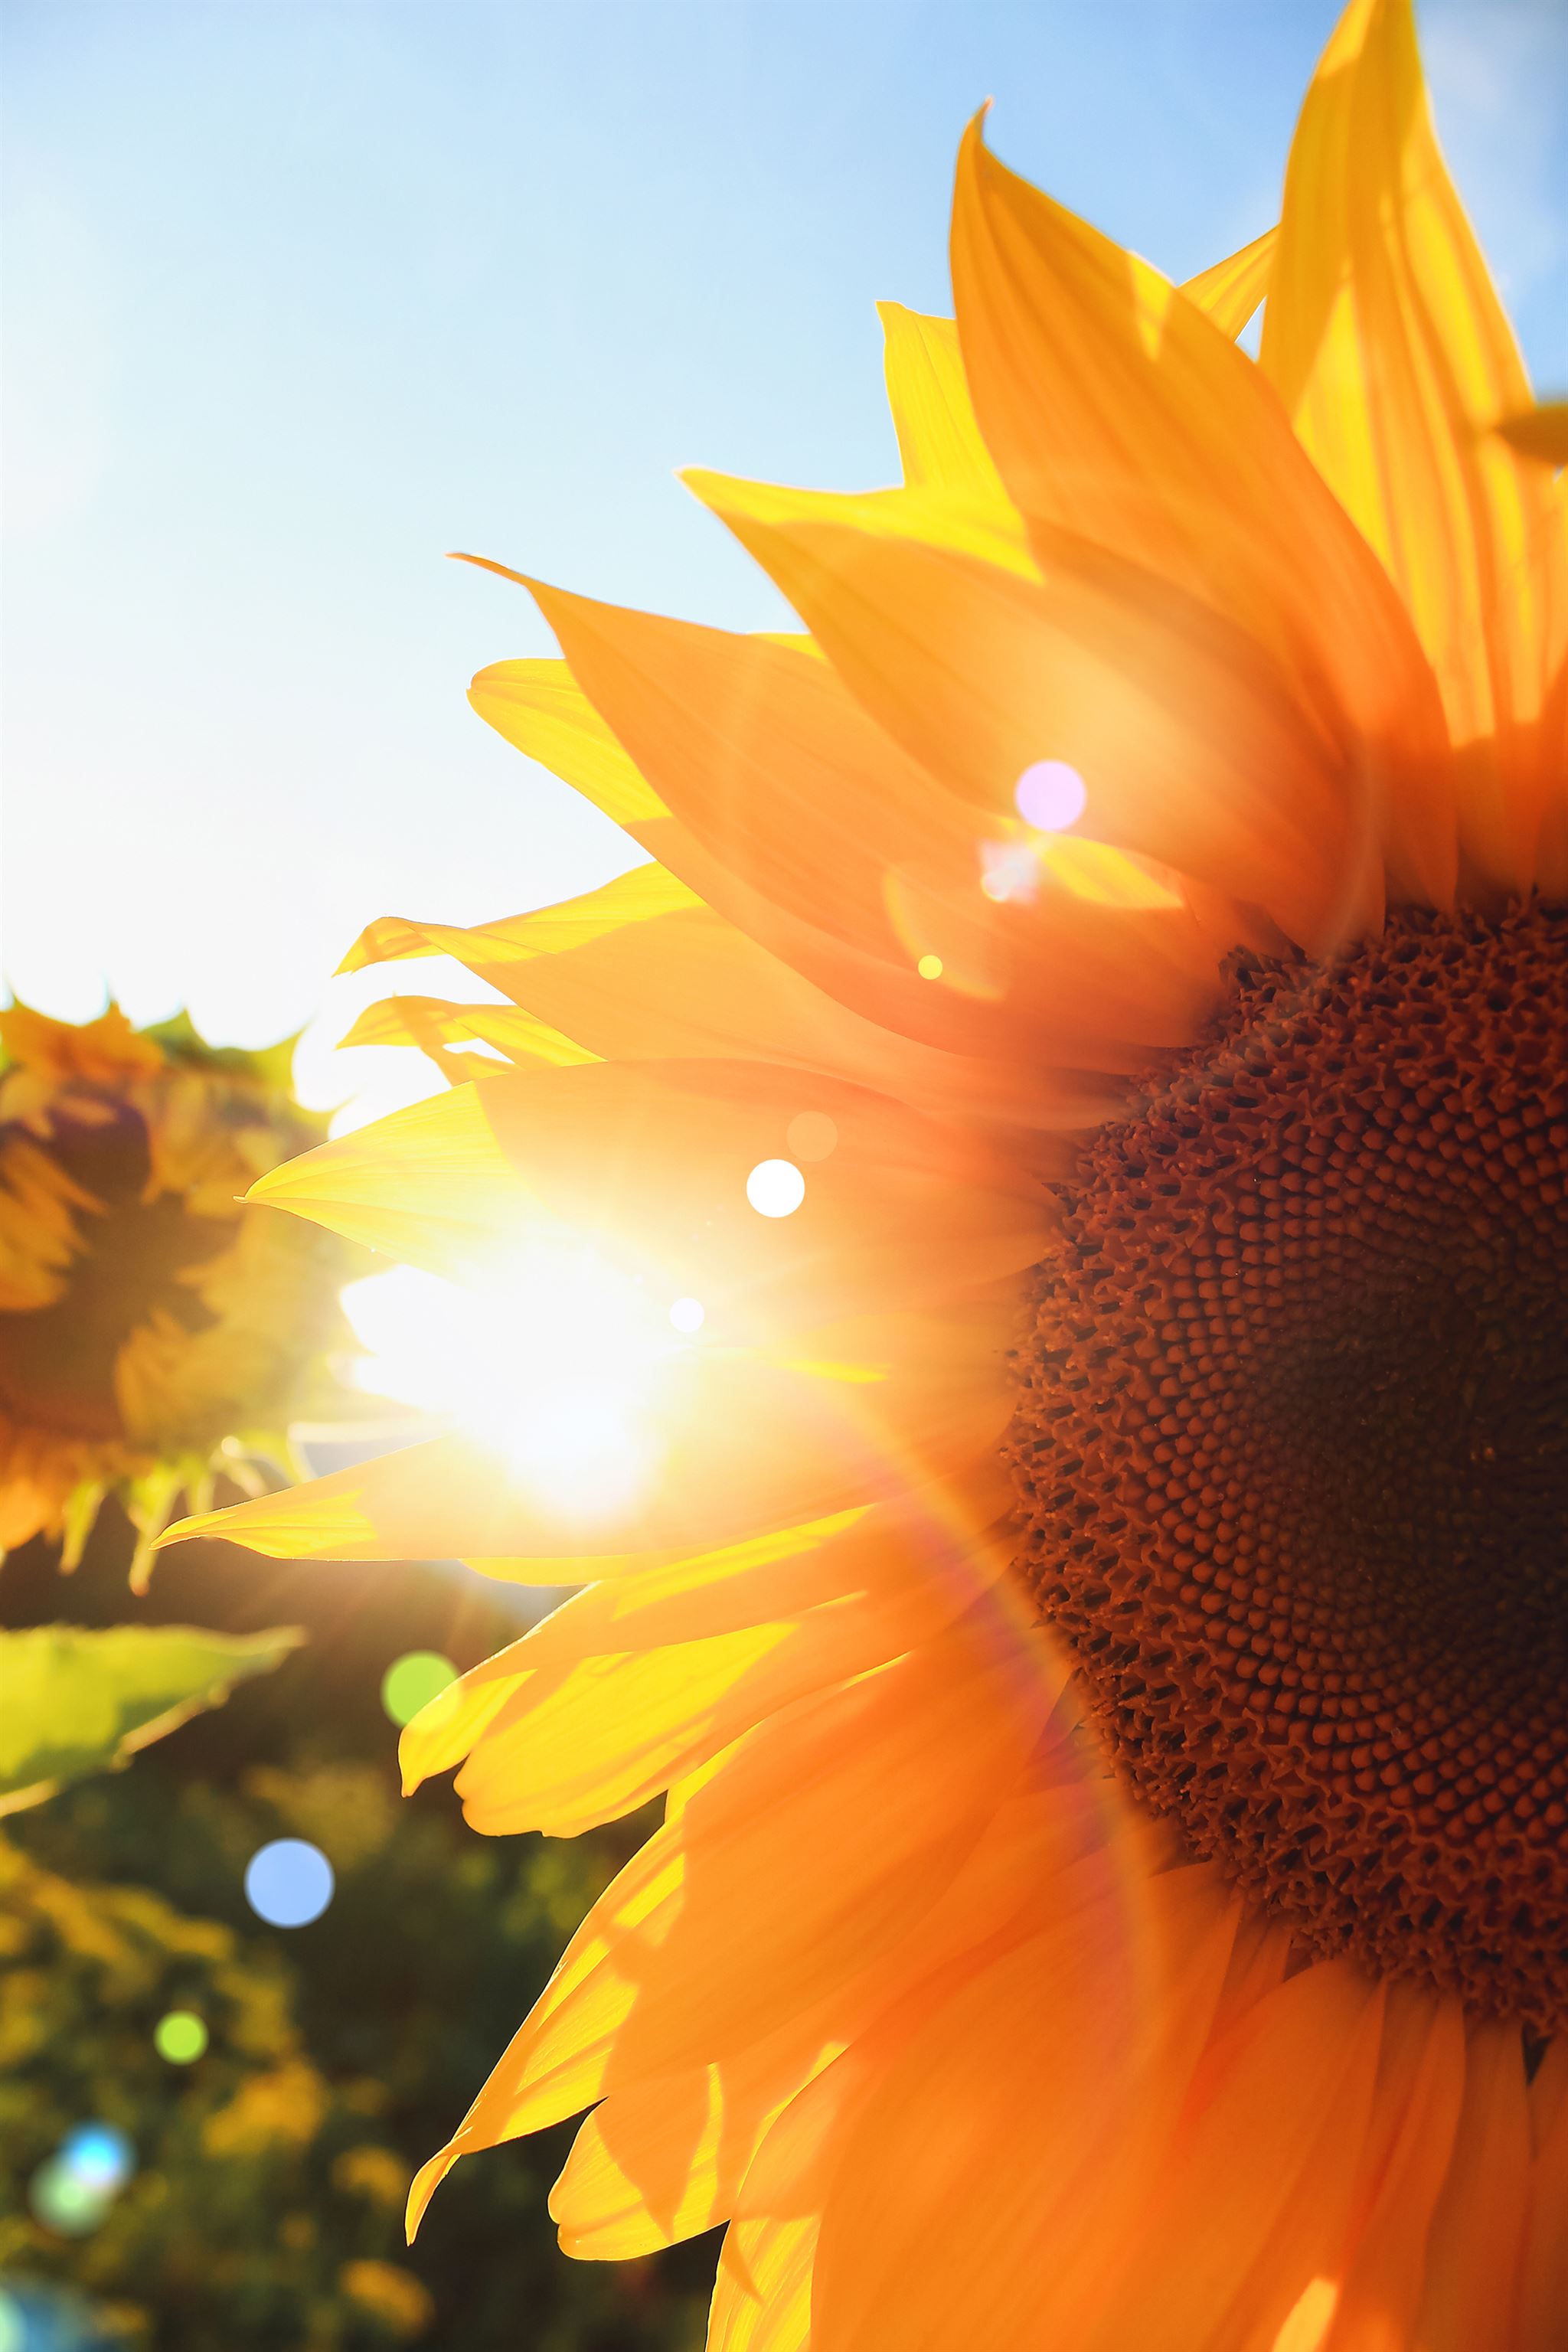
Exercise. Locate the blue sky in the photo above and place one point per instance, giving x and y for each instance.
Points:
(301, 294)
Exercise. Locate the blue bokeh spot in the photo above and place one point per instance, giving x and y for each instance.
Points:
(289, 1883)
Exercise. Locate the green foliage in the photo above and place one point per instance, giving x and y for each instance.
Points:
(267, 2207)
(74, 1701)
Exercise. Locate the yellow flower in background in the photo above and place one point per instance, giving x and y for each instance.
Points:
(152, 1328)
(1071, 1136)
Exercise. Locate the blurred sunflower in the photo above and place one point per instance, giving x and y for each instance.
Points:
(153, 1328)
(1092, 1576)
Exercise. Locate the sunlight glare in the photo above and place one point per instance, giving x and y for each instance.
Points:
(551, 1362)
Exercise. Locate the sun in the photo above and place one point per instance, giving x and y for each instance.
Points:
(548, 1355)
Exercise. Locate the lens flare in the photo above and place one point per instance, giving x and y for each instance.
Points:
(1050, 795)
(100, 2156)
(811, 1135)
(1009, 872)
(412, 1681)
(66, 2203)
(180, 2037)
(289, 1883)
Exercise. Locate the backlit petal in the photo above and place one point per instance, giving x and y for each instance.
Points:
(1229, 291)
(1118, 413)
(1189, 742)
(1395, 360)
(737, 1442)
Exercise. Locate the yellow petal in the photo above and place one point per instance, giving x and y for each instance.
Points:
(538, 707)
(555, 2062)
(955, 1542)
(973, 667)
(455, 1187)
(818, 1841)
(761, 2297)
(576, 1746)
(662, 2160)
(934, 417)
(492, 949)
(1229, 291)
(576, 1722)
(939, 440)
(992, 532)
(431, 1023)
(1392, 356)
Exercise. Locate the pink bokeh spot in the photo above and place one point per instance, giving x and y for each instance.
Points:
(1050, 795)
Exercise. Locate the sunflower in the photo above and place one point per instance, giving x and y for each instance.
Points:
(152, 1328)
(1097, 1603)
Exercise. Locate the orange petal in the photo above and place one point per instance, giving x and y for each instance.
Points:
(1416, 2115)
(690, 982)
(1004, 2112)
(1477, 2230)
(1229, 2243)
(777, 768)
(651, 1162)
(820, 1839)
(1393, 358)
(1543, 2270)
(555, 2062)
(681, 2145)
(768, 759)
(958, 1061)
(1118, 413)
(1190, 746)
(825, 1835)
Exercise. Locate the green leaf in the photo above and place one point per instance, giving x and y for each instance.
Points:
(74, 1701)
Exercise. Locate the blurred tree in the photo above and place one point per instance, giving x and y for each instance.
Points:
(264, 2212)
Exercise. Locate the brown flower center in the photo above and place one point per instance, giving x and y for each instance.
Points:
(1292, 1441)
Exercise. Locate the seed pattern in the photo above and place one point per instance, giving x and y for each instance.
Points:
(1292, 1448)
